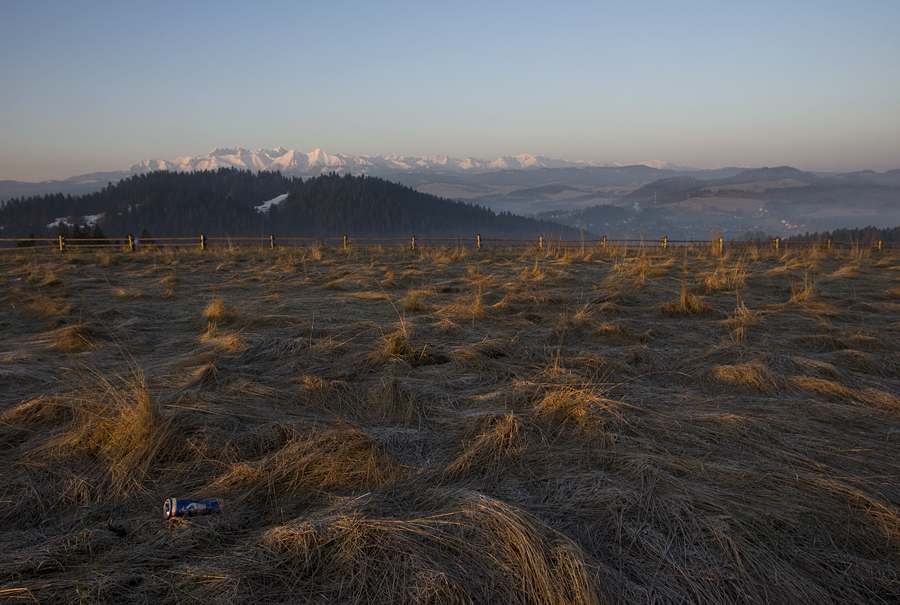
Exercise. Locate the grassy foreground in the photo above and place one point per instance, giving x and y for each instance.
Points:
(446, 426)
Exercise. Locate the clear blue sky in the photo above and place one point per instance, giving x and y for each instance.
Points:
(87, 86)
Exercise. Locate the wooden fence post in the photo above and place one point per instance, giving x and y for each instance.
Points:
(603, 242)
(541, 242)
(721, 244)
(62, 243)
(878, 246)
(478, 239)
(130, 243)
(828, 244)
(272, 242)
(412, 245)
(202, 242)
(777, 242)
(345, 241)
(665, 242)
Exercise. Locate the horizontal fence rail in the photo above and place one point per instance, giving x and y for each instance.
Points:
(130, 243)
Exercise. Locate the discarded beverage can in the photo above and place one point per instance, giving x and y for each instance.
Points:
(175, 507)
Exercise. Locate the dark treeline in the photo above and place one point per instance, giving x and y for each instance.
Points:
(331, 205)
(866, 235)
(167, 204)
(224, 202)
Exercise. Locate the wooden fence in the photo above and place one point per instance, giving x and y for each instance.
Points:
(478, 242)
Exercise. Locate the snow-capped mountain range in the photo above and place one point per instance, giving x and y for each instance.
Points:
(294, 163)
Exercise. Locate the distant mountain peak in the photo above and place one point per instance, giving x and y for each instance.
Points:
(319, 161)
(664, 165)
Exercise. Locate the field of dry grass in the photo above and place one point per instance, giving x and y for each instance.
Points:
(451, 426)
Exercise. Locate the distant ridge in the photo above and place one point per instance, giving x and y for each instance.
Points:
(293, 163)
(239, 203)
(290, 162)
(523, 184)
(780, 173)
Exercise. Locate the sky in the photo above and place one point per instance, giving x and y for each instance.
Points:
(93, 86)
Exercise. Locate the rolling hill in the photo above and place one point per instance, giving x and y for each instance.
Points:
(232, 202)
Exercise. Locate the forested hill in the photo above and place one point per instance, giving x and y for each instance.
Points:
(224, 203)
(331, 205)
(866, 235)
(166, 204)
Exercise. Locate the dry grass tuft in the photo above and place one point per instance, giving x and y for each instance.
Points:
(72, 338)
(802, 292)
(619, 332)
(466, 308)
(739, 322)
(753, 375)
(395, 345)
(414, 302)
(536, 273)
(203, 376)
(109, 259)
(582, 320)
(117, 437)
(50, 308)
(724, 278)
(227, 342)
(888, 401)
(371, 295)
(43, 279)
(571, 406)
(644, 267)
(40, 410)
(497, 441)
(483, 551)
(129, 293)
(341, 460)
(687, 305)
(717, 281)
(217, 311)
(847, 271)
(313, 253)
(828, 389)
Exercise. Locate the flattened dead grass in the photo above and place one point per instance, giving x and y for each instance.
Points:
(229, 342)
(309, 466)
(72, 338)
(483, 552)
(386, 425)
(753, 375)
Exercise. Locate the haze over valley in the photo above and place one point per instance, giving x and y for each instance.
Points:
(650, 200)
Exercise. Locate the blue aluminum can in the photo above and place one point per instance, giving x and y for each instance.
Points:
(175, 507)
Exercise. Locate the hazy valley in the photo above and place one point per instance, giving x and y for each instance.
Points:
(619, 201)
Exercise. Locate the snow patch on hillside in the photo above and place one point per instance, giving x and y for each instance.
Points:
(90, 220)
(264, 207)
